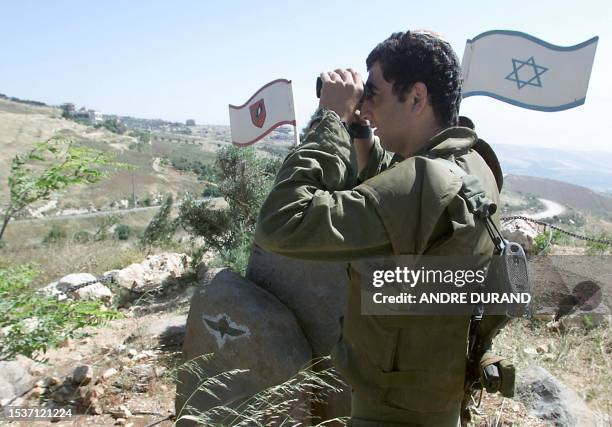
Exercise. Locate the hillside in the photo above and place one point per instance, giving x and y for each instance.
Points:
(585, 168)
(562, 192)
(165, 165)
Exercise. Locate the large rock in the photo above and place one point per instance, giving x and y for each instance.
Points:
(547, 398)
(314, 291)
(521, 232)
(244, 327)
(316, 294)
(587, 319)
(16, 377)
(62, 288)
(153, 272)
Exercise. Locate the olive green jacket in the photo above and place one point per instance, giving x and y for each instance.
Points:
(320, 208)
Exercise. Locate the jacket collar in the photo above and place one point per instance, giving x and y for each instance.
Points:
(451, 140)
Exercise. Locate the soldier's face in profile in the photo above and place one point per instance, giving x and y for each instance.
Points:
(385, 112)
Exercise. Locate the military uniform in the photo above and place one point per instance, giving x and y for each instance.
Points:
(404, 370)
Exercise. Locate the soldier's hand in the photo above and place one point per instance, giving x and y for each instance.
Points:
(341, 92)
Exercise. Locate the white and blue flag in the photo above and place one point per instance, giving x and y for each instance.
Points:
(525, 71)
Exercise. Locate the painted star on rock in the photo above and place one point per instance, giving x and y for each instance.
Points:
(530, 73)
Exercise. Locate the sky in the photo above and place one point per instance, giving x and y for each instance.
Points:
(177, 60)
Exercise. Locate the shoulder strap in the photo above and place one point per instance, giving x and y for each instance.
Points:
(479, 204)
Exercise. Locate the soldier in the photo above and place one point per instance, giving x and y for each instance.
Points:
(404, 370)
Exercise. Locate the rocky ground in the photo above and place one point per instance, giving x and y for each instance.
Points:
(123, 373)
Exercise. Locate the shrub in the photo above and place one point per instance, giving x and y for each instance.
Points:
(104, 227)
(598, 248)
(244, 180)
(82, 236)
(162, 227)
(49, 167)
(123, 232)
(32, 322)
(54, 235)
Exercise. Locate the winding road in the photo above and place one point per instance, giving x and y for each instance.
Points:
(106, 213)
(551, 209)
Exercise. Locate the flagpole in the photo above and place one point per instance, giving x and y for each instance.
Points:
(296, 134)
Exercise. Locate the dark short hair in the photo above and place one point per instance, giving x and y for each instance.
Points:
(421, 56)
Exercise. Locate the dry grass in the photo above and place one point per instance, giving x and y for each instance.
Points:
(579, 358)
(58, 260)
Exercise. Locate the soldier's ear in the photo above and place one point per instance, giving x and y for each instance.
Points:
(418, 97)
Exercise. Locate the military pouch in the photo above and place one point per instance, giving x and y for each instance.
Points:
(497, 374)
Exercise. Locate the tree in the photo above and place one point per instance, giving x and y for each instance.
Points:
(162, 227)
(244, 180)
(51, 166)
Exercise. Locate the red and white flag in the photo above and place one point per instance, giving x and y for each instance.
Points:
(270, 107)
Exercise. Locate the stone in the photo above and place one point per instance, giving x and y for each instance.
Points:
(141, 356)
(587, 319)
(65, 394)
(109, 373)
(530, 350)
(36, 392)
(521, 232)
(314, 291)
(52, 290)
(75, 279)
(82, 375)
(316, 294)
(121, 412)
(97, 291)
(61, 288)
(120, 421)
(154, 272)
(16, 377)
(547, 398)
(95, 407)
(65, 343)
(144, 372)
(51, 381)
(132, 352)
(168, 331)
(246, 328)
(119, 349)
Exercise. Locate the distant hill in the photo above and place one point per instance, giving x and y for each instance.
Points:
(585, 168)
(561, 192)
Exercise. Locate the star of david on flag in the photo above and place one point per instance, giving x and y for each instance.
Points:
(532, 69)
(525, 71)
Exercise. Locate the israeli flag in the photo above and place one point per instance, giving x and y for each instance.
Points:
(525, 71)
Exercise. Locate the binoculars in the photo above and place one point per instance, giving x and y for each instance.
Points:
(320, 86)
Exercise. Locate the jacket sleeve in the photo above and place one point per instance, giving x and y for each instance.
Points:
(313, 212)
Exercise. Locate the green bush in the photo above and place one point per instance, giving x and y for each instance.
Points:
(32, 322)
(104, 227)
(82, 236)
(54, 235)
(113, 125)
(598, 248)
(542, 245)
(123, 232)
(243, 179)
(162, 227)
